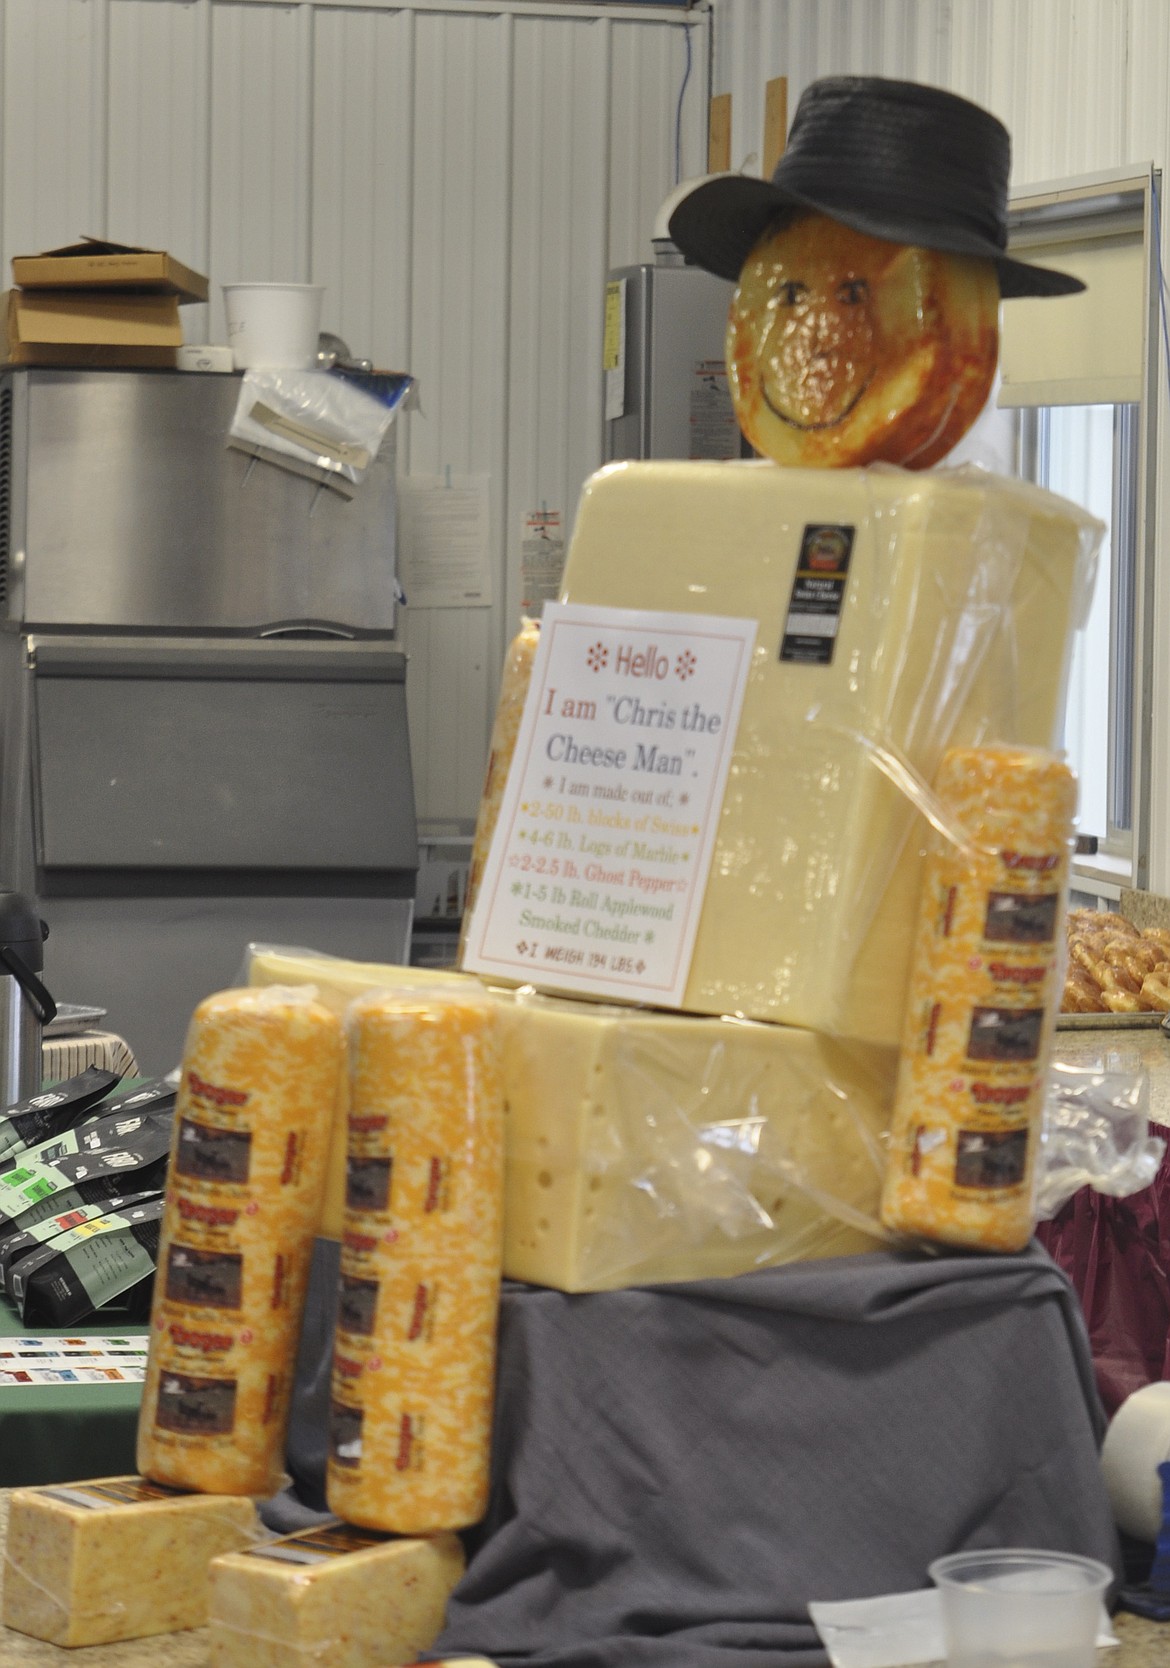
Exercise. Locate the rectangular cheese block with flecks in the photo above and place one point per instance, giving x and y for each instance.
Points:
(115, 1558)
(644, 1146)
(332, 1595)
(895, 611)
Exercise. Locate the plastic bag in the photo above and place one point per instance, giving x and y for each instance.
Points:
(313, 417)
(1096, 1133)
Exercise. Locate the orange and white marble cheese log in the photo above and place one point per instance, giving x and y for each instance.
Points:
(421, 1253)
(984, 990)
(262, 1072)
(517, 676)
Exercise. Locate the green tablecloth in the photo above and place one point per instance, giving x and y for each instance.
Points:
(57, 1433)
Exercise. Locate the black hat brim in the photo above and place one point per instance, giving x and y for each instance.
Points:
(717, 226)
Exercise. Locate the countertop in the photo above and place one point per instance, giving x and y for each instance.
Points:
(1143, 1644)
(1149, 1048)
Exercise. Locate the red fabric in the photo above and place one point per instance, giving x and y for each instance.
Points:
(1117, 1254)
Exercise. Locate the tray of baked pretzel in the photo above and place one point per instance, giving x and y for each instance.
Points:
(1118, 975)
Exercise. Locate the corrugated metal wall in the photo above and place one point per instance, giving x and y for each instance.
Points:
(459, 177)
(1081, 85)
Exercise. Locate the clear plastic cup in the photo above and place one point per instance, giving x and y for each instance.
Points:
(1020, 1608)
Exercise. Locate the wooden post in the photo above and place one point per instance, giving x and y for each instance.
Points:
(775, 122)
(719, 134)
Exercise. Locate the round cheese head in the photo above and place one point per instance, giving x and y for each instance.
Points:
(843, 349)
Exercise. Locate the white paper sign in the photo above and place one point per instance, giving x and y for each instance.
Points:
(444, 541)
(542, 559)
(595, 877)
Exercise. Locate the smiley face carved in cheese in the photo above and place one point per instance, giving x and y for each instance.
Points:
(843, 349)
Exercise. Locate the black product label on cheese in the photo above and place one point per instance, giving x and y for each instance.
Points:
(1005, 1034)
(119, 1491)
(318, 1546)
(991, 1158)
(195, 1406)
(206, 1153)
(367, 1183)
(204, 1279)
(1020, 918)
(818, 594)
(357, 1306)
(345, 1435)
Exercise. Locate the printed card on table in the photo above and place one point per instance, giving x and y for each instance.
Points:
(595, 878)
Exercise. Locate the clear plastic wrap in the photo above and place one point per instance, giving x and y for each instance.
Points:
(254, 1118)
(646, 1146)
(981, 1003)
(331, 1594)
(115, 1558)
(945, 621)
(313, 417)
(1096, 1133)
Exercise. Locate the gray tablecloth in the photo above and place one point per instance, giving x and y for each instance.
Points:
(678, 1470)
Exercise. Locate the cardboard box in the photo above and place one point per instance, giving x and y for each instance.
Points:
(45, 328)
(96, 265)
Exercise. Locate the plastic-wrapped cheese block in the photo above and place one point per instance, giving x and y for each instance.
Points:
(648, 1146)
(514, 683)
(117, 1558)
(414, 1358)
(982, 1004)
(253, 1123)
(333, 1595)
(913, 611)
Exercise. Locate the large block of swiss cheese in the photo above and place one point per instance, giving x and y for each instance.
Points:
(960, 594)
(644, 1146)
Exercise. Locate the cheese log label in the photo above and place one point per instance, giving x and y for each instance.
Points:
(506, 727)
(116, 1558)
(955, 621)
(333, 1595)
(256, 1106)
(982, 1002)
(414, 1356)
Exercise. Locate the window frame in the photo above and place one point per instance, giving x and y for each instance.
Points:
(1052, 212)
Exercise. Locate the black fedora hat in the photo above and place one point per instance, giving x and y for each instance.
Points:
(895, 159)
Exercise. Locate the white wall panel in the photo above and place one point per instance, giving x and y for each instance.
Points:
(804, 39)
(261, 129)
(458, 179)
(362, 186)
(647, 70)
(53, 123)
(159, 133)
(558, 269)
(459, 289)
